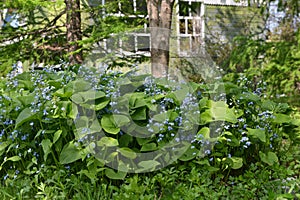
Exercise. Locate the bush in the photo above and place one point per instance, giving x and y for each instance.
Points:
(276, 63)
(81, 122)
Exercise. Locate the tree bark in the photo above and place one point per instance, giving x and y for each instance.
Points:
(160, 20)
(73, 26)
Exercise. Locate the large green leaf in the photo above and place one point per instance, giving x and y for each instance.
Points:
(205, 131)
(79, 85)
(124, 140)
(205, 117)
(100, 104)
(121, 120)
(142, 141)
(77, 98)
(127, 152)
(148, 164)
(46, 145)
(26, 100)
(237, 162)
(257, 133)
(72, 111)
(109, 125)
(282, 118)
(110, 173)
(92, 95)
(108, 141)
(149, 147)
(25, 116)
(270, 158)
(139, 114)
(95, 126)
(70, 153)
(138, 102)
(230, 116)
(218, 110)
(57, 135)
(249, 97)
(3, 146)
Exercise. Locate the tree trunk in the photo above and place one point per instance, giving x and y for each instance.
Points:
(160, 18)
(73, 26)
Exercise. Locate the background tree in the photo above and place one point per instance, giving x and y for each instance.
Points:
(73, 26)
(160, 19)
(52, 32)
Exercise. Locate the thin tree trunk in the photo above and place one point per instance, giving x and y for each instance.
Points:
(160, 16)
(73, 26)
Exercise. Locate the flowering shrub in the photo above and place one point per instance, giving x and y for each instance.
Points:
(88, 123)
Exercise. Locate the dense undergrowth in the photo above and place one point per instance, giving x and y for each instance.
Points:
(69, 135)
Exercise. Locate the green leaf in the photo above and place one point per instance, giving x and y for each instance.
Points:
(138, 102)
(55, 83)
(77, 98)
(203, 103)
(257, 133)
(270, 158)
(110, 173)
(25, 116)
(92, 95)
(165, 115)
(72, 111)
(46, 145)
(139, 114)
(121, 120)
(100, 104)
(82, 122)
(26, 100)
(127, 152)
(111, 123)
(282, 118)
(205, 117)
(69, 154)
(57, 135)
(218, 110)
(230, 116)
(205, 131)
(249, 97)
(108, 124)
(237, 162)
(63, 92)
(95, 126)
(26, 84)
(108, 141)
(180, 95)
(149, 164)
(124, 140)
(3, 145)
(79, 85)
(142, 141)
(13, 159)
(149, 147)
(268, 105)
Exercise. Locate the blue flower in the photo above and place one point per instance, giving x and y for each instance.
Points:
(207, 152)
(6, 176)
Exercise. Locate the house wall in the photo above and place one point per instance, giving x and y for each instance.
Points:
(223, 23)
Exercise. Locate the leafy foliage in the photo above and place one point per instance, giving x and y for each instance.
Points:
(40, 36)
(38, 110)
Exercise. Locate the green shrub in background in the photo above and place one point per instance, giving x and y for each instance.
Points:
(274, 62)
(40, 139)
